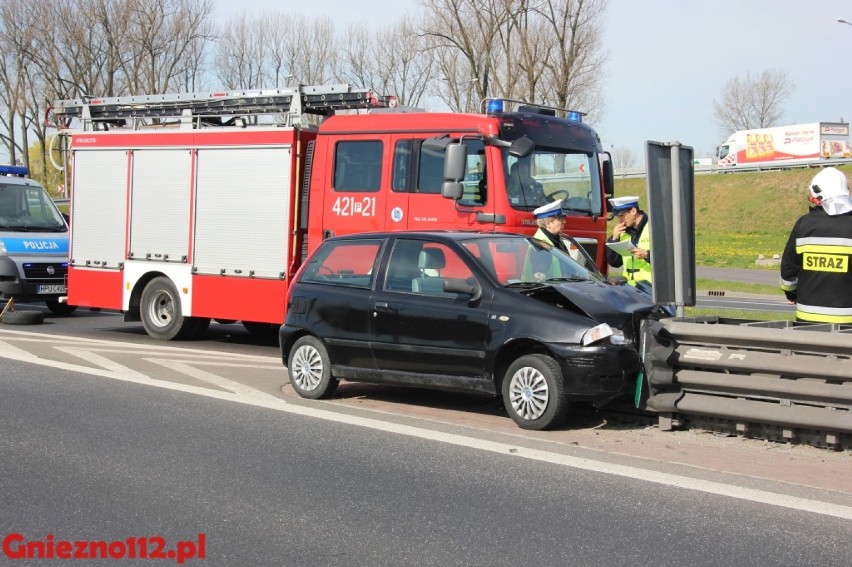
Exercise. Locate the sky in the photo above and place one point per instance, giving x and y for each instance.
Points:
(668, 60)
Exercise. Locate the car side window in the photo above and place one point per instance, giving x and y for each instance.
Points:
(422, 267)
(344, 263)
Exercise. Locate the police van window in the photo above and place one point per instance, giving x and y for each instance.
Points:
(358, 166)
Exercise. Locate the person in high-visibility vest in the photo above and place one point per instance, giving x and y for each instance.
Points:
(815, 272)
(550, 220)
(632, 225)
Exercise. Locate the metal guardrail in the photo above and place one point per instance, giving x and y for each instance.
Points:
(794, 376)
(633, 172)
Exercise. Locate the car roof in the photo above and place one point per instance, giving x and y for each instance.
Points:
(444, 235)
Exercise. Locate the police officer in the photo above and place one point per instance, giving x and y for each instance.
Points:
(633, 226)
(815, 273)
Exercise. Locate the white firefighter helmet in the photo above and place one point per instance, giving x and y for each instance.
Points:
(830, 189)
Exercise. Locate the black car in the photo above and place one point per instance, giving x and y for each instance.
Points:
(496, 313)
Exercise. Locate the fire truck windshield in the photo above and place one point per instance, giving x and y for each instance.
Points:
(546, 175)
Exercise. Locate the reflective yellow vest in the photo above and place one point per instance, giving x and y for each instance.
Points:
(636, 269)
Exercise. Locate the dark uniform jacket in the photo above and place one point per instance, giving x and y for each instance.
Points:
(815, 268)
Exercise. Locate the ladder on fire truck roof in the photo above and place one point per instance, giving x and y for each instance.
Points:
(223, 108)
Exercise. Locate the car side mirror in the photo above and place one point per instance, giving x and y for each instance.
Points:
(469, 287)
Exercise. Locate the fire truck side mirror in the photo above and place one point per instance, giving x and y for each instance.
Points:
(455, 162)
(452, 190)
(608, 178)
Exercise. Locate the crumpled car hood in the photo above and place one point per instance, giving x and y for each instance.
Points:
(604, 302)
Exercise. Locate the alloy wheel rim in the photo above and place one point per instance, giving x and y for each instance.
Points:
(528, 393)
(307, 368)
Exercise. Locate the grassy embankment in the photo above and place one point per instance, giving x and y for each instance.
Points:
(740, 216)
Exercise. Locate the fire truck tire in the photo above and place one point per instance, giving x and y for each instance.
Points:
(201, 324)
(262, 331)
(58, 308)
(23, 317)
(161, 312)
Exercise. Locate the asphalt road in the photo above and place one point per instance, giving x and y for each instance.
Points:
(90, 458)
(756, 276)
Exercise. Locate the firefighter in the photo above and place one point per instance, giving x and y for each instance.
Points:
(815, 273)
(522, 187)
(633, 226)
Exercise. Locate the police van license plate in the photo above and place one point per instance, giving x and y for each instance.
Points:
(56, 288)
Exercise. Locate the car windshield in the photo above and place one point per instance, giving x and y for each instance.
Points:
(547, 175)
(28, 208)
(520, 261)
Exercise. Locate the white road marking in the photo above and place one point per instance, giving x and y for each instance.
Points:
(215, 379)
(259, 399)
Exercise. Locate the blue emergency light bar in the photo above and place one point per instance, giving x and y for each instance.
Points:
(16, 170)
(494, 105)
(497, 105)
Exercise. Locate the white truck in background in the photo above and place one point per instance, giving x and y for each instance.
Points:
(785, 145)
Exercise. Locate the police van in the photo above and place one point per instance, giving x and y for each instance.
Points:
(33, 243)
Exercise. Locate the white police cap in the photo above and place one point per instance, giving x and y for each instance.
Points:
(622, 204)
(549, 210)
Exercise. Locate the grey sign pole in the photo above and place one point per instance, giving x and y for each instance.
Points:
(671, 187)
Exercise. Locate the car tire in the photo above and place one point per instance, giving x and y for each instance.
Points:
(534, 392)
(161, 312)
(310, 369)
(23, 317)
(58, 308)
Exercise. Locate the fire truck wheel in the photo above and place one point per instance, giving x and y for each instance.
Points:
(58, 308)
(23, 317)
(201, 324)
(262, 331)
(310, 370)
(161, 312)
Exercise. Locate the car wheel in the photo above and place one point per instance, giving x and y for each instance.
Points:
(23, 317)
(310, 369)
(534, 392)
(161, 312)
(58, 308)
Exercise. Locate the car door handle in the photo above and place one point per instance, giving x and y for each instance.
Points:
(380, 306)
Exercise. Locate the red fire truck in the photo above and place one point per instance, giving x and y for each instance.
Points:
(197, 206)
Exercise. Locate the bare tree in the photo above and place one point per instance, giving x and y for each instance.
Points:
(390, 60)
(14, 39)
(241, 54)
(73, 48)
(545, 51)
(573, 77)
(162, 31)
(465, 36)
(752, 101)
(623, 157)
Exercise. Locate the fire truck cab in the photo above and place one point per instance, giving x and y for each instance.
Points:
(195, 207)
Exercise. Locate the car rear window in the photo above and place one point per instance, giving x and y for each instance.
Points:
(345, 263)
